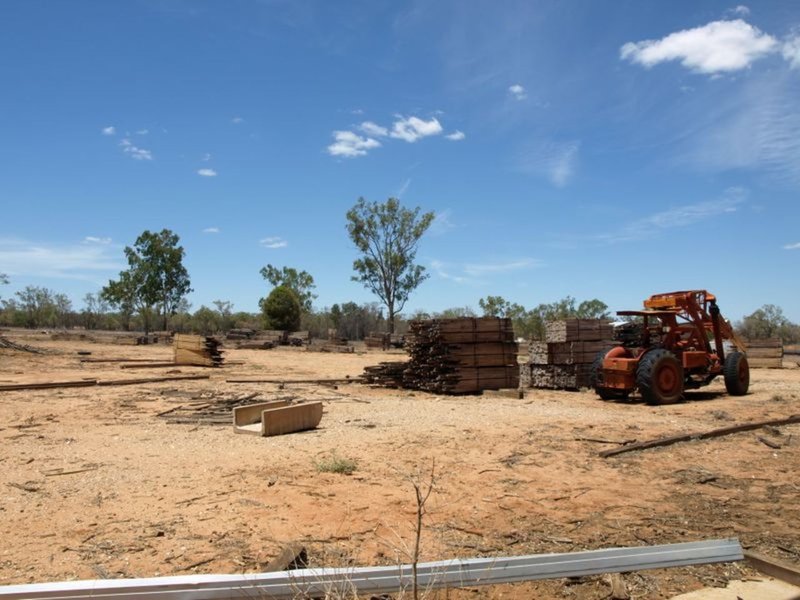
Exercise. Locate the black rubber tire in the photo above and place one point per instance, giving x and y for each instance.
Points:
(737, 374)
(659, 377)
(596, 379)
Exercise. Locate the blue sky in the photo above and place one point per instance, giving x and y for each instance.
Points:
(592, 149)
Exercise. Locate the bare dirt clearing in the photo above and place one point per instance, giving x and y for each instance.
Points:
(94, 484)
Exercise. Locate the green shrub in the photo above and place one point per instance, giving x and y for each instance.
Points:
(336, 464)
(281, 309)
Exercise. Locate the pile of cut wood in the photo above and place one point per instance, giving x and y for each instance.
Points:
(765, 353)
(376, 340)
(454, 356)
(564, 360)
(197, 350)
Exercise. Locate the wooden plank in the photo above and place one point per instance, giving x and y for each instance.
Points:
(46, 385)
(290, 419)
(703, 435)
(289, 381)
(251, 413)
(151, 379)
(773, 568)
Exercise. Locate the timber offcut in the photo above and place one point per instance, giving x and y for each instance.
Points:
(197, 350)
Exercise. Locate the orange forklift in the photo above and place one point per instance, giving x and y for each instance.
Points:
(676, 343)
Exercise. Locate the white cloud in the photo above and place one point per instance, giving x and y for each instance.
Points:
(791, 50)
(371, 128)
(741, 10)
(792, 246)
(110, 130)
(135, 152)
(517, 92)
(557, 161)
(207, 172)
(143, 132)
(67, 261)
(206, 157)
(237, 120)
(349, 144)
(679, 216)
(720, 46)
(456, 136)
(90, 239)
(273, 242)
(211, 230)
(414, 128)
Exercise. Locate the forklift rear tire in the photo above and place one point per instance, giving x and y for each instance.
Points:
(659, 377)
(737, 374)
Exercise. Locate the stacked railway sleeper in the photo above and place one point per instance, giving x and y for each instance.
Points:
(454, 356)
(564, 360)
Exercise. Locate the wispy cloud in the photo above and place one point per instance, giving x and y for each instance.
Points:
(739, 11)
(143, 132)
(557, 161)
(110, 130)
(677, 217)
(442, 222)
(517, 92)
(373, 129)
(483, 269)
(717, 47)
(792, 246)
(211, 230)
(758, 129)
(206, 172)
(237, 120)
(412, 129)
(403, 188)
(791, 50)
(90, 239)
(206, 157)
(134, 151)
(479, 273)
(79, 260)
(273, 242)
(456, 136)
(350, 145)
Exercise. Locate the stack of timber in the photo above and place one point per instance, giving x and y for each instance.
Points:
(455, 356)
(386, 374)
(378, 341)
(765, 353)
(197, 350)
(564, 360)
(242, 333)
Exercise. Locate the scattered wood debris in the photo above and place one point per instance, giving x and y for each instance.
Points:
(211, 410)
(8, 344)
(667, 441)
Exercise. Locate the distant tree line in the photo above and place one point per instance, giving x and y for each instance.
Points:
(151, 292)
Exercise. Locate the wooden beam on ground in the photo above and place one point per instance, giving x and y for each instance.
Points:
(152, 365)
(288, 381)
(773, 568)
(151, 379)
(373, 581)
(703, 435)
(293, 556)
(46, 385)
(115, 360)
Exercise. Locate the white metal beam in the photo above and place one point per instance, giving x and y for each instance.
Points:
(381, 580)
